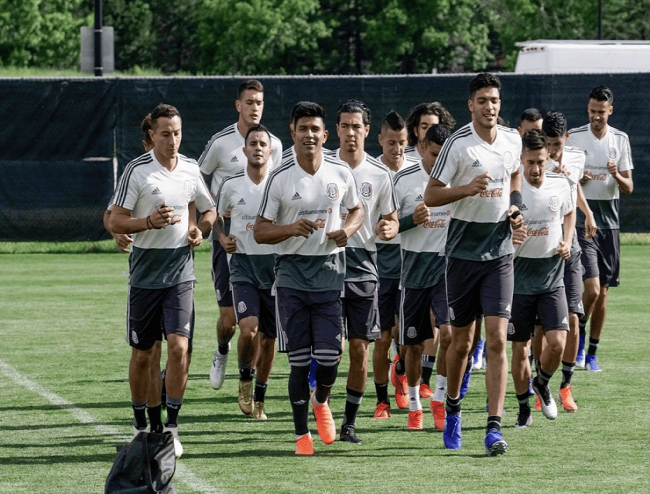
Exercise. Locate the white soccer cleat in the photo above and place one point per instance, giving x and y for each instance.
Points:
(218, 369)
(178, 447)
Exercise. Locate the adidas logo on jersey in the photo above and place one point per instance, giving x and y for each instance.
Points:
(155, 191)
(296, 196)
(234, 159)
(524, 208)
(241, 201)
(476, 164)
(419, 198)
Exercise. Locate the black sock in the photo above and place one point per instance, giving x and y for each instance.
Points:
(400, 367)
(154, 418)
(352, 402)
(542, 377)
(139, 414)
(567, 374)
(493, 422)
(325, 377)
(524, 406)
(260, 390)
(173, 407)
(382, 392)
(428, 361)
(453, 405)
(299, 397)
(223, 349)
(245, 372)
(593, 346)
(582, 325)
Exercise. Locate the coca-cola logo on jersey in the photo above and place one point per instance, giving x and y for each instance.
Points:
(541, 232)
(250, 227)
(320, 223)
(434, 224)
(498, 192)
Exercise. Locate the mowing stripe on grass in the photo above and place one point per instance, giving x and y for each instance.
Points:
(183, 474)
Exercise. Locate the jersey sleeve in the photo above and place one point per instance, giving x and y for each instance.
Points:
(202, 198)
(128, 190)
(567, 199)
(223, 198)
(351, 198)
(277, 152)
(625, 163)
(446, 163)
(387, 199)
(270, 205)
(209, 160)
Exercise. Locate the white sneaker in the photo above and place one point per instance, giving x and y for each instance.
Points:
(218, 369)
(178, 447)
(549, 408)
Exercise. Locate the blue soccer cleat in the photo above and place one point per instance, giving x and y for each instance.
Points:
(452, 435)
(464, 386)
(494, 443)
(580, 358)
(591, 364)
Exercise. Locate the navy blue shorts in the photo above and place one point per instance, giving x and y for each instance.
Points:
(221, 275)
(360, 310)
(250, 301)
(309, 319)
(479, 287)
(389, 300)
(415, 321)
(601, 256)
(573, 284)
(550, 307)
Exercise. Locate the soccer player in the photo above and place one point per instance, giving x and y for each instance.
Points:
(531, 119)
(251, 269)
(539, 275)
(423, 268)
(151, 202)
(301, 212)
(479, 162)
(360, 299)
(418, 122)
(224, 156)
(608, 170)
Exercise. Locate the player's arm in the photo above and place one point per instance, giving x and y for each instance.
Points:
(623, 178)
(514, 213)
(564, 249)
(590, 222)
(228, 242)
(388, 226)
(121, 220)
(438, 194)
(352, 223)
(419, 216)
(122, 240)
(267, 232)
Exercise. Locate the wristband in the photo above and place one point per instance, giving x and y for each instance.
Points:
(516, 199)
(149, 223)
(406, 223)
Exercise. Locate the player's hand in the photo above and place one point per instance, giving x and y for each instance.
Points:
(515, 217)
(590, 226)
(194, 236)
(162, 216)
(519, 235)
(228, 242)
(123, 241)
(561, 169)
(303, 228)
(421, 214)
(564, 249)
(479, 184)
(585, 177)
(612, 168)
(339, 237)
(386, 230)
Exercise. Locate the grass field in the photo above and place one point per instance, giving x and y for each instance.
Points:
(65, 404)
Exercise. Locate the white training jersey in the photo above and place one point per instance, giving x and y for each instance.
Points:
(224, 155)
(412, 152)
(479, 229)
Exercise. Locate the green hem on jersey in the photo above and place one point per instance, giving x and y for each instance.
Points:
(538, 275)
(360, 264)
(474, 241)
(257, 270)
(422, 269)
(310, 273)
(606, 214)
(389, 261)
(160, 268)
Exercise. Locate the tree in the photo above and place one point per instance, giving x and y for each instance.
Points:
(626, 19)
(132, 22)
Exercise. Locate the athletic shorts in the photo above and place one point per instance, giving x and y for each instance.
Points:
(221, 275)
(551, 307)
(153, 313)
(573, 284)
(308, 319)
(389, 300)
(415, 320)
(601, 256)
(250, 301)
(360, 310)
(479, 287)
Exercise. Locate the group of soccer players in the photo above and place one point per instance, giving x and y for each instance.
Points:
(414, 250)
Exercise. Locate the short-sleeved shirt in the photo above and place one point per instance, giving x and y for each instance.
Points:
(479, 229)
(538, 267)
(602, 191)
(224, 156)
(315, 263)
(423, 264)
(412, 153)
(161, 258)
(375, 189)
(252, 262)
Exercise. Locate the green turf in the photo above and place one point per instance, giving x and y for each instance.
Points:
(63, 328)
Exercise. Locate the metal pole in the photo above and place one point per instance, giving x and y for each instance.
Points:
(99, 69)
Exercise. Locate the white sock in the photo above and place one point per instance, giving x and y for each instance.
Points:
(414, 398)
(441, 388)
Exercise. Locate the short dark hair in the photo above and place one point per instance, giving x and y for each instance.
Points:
(304, 109)
(602, 93)
(531, 115)
(484, 79)
(257, 128)
(145, 126)
(533, 140)
(163, 111)
(554, 124)
(437, 134)
(413, 120)
(253, 84)
(354, 106)
(393, 121)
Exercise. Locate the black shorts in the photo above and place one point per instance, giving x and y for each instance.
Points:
(550, 307)
(153, 313)
(221, 275)
(479, 287)
(601, 256)
(415, 321)
(308, 319)
(573, 284)
(360, 310)
(389, 300)
(250, 301)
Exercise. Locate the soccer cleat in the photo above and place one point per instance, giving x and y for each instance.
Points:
(591, 364)
(393, 375)
(438, 412)
(305, 445)
(425, 391)
(382, 412)
(580, 358)
(245, 398)
(464, 386)
(477, 356)
(524, 420)
(494, 443)
(416, 421)
(401, 392)
(452, 434)
(565, 398)
(549, 408)
(538, 402)
(218, 369)
(178, 447)
(258, 411)
(349, 435)
(324, 421)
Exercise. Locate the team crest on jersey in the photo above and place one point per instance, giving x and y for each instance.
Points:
(366, 190)
(188, 188)
(508, 160)
(613, 153)
(241, 307)
(411, 332)
(332, 192)
(554, 203)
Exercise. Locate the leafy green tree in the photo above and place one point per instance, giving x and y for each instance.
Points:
(626, 19)
(132, 22)
(175, 28)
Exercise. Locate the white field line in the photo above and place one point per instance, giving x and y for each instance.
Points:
(183, 474)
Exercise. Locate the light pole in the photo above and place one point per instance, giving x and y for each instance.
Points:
(99, 69)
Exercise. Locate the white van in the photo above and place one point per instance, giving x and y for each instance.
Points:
(545, 56)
